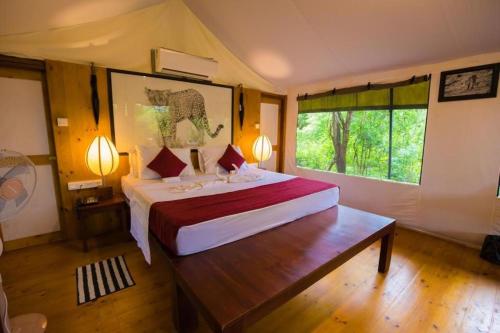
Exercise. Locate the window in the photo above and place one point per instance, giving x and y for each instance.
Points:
(375, 133)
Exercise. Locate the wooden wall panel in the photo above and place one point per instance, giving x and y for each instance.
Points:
(69, 95)
(246, 136)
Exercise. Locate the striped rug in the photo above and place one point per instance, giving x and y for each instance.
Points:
(102, 278)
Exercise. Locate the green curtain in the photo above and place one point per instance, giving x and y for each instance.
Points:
(412, 95)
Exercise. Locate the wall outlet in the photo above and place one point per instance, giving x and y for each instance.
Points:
(72, 186)
(62, 122)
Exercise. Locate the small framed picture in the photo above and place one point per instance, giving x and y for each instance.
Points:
(469, 83)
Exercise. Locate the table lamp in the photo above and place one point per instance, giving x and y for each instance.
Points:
(262, 149)
(102, 157)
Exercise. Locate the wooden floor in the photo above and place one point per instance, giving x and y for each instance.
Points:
(432, 286)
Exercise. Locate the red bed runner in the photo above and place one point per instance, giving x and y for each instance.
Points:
(167, 217)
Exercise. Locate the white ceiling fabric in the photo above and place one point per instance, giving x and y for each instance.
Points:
(23, 16)
(125, 41)
(288, 42)
(291, 42)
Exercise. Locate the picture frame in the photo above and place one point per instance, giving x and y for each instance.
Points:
(152, 109)
(469, 83)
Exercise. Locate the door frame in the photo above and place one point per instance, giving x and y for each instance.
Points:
(34, 69)
(280, 100)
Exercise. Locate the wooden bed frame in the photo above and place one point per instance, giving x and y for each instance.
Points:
(237, 284)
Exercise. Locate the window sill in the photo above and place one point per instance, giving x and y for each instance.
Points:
(359, 177)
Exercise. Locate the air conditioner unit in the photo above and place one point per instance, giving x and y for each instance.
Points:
(181, 64)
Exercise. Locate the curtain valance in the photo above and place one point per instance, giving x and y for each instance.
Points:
(413, 93)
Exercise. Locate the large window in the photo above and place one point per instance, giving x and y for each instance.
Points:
(378, 133)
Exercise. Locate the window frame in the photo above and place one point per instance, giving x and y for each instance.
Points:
(390, 108)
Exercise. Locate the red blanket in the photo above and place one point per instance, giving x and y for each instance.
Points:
(167, 217)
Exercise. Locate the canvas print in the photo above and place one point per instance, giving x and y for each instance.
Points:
(469, 83)
(147, 109)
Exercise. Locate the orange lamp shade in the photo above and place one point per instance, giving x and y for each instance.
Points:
(262, 148)
(102, 157)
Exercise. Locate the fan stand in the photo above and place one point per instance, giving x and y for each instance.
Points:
(32, 322)
(26, 323)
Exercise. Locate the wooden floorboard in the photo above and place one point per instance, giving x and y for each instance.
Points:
(432, 286)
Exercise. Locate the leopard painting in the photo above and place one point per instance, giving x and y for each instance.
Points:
(185, 104)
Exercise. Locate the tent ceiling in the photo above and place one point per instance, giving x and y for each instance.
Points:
(297, 41)
(21, 16)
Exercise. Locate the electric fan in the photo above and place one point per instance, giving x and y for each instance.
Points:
(17, 184)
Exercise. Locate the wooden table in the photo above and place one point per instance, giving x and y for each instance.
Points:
(116, 204)
(236, 284)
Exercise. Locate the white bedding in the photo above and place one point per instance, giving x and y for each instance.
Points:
(202, 236)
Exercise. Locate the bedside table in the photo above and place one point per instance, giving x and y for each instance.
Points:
(117, 204)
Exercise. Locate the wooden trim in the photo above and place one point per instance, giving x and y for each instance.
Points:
(272, 95)
(283, 135)
(33, 240)
(20, 73)
(280, 100)
(271, 100)
(22, 63)
(41, 159)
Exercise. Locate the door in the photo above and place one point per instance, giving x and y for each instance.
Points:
(272, 120)
(25, 128)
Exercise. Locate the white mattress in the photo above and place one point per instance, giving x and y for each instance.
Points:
(202, 236)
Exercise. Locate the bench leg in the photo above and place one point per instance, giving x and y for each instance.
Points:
(386, 252)
(184, 314)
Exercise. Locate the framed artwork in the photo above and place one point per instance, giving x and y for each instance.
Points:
(151, 109)
(469, 83)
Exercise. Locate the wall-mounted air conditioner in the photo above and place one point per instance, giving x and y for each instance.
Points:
(181, 64)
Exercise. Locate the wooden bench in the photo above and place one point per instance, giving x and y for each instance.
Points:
(236, 284)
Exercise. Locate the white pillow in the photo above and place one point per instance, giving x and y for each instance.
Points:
(208, 158)
(132, 162)
(145, 154)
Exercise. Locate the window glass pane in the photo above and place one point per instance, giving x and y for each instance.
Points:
(314, 146)
(368, 144)
(407, 144)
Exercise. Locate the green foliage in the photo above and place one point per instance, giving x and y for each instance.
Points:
(367, 152)
(368, 146)
(408, 144)
(314, 147)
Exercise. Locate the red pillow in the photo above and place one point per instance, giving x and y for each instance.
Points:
(167, 164)
(231, 157)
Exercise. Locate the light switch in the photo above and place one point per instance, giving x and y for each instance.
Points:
(62, 122)
(80, 185)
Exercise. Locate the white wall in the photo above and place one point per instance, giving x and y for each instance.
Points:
(457, 196)
(23, 128)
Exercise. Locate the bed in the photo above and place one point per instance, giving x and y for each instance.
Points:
(213, 229)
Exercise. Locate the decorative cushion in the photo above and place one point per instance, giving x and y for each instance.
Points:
(229, 158)
(166, 164)
(145, 154)
(208, 158)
